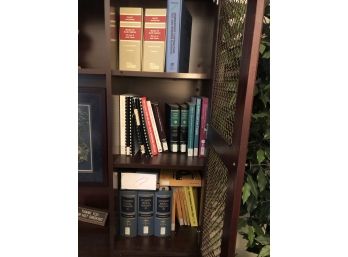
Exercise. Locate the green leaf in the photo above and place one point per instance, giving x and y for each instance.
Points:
(251, 235)
(265, 251)
(253, 186)
(262, 239)
(262, 48)
(266, 55)
(266, 135)
(260, 155)
(260, 115)
(242, 224)
(246, 192)
(261, 180)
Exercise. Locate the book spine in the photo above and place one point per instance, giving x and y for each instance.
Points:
(160, 127)
(116, 124)
(130, 35)
(173, 30)
(134, 139)
(185, 39)
(113, 38)
(194, 204)
(184, 207)
(162, 213)
(173, 116)
(183, 128)
(197, 121)
(189, 206)
(204, 127)
(148, 151)
(178, 207)
(172, 227)
(153, 123)
(191, 121)
(137, 121)
(149, 127)
(128, 127)
(128, 213)
(123, 124)
(154, 40)
(145, 213)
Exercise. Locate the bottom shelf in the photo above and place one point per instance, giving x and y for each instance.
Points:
(182, 242)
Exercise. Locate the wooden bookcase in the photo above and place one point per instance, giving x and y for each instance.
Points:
(223, 62)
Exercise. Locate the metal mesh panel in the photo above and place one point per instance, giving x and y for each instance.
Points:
(229, 50)
(214, 206)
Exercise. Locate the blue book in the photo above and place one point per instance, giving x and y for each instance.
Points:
(145, 213)
(128, 213)
(190, 127)
(163, 207)
(198, 101)
(179, 25)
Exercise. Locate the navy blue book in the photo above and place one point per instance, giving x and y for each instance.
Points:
(128, 213)
(163, 213)
(146, 204)
(179, 26)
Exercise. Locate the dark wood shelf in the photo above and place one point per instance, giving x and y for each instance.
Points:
(162, 160)
(183, 242)
(163, 75)
(93, 240)
(89, 71)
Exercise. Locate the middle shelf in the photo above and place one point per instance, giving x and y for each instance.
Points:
(163, 160)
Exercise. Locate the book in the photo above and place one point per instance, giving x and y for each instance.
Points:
(123, 124)
(128, 213)
(139, 180)
(148, 150)
(138, 128)
(178, 208)
(198, 101)
(183, 127)
(189, 206)
(160, 126)
(180, 178)
(203, 132)
(154, 39)
(145, 213)
(113, 38)
(193, 204)
(184, 207)
(191, 128)
(130, 35)
(173, 122)
(179, 25)
(172, 227)
(116, 124)
(128, 126)
(150, 131)
(154, 126)
(163, 213)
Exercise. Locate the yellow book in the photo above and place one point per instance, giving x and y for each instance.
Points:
(190, 207)
(194, 205)
(184, 207)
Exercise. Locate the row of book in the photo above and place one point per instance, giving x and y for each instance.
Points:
(152, 208)
(139, 127)
(154, 39)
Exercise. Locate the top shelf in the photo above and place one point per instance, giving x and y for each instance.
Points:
(163, 75)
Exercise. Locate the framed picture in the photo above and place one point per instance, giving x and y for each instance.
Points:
(92, 151)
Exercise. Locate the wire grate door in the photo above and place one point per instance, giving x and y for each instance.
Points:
(213, 213)
(229, 50)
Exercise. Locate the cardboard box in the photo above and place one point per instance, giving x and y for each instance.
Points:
(180, 178)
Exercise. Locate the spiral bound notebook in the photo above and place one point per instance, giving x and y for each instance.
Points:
(148, 151)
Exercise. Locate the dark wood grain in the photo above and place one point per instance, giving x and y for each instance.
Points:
(183, 242)
(161, 161)
(165, 75)
(93, 240)
(92, 71)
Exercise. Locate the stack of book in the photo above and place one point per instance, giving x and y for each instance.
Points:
(144, 210)
(138, 126)
(187, 126)
(154, 39)
(184, 185)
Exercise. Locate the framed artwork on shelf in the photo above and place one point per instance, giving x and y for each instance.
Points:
(92, 148)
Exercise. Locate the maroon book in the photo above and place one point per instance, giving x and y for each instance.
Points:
(203, 131)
